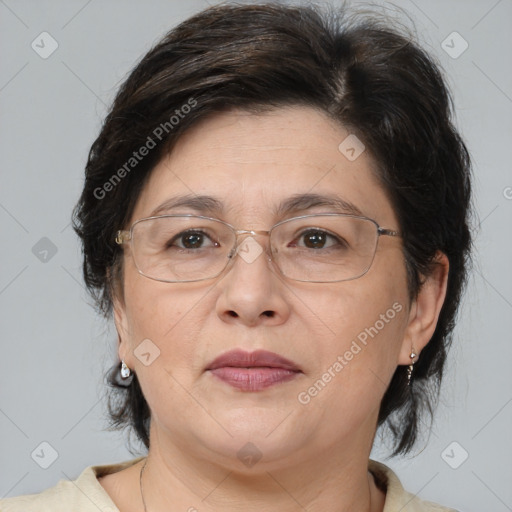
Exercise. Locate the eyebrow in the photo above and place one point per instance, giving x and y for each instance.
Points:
(297, 203)
(302, 202)
(203, 204)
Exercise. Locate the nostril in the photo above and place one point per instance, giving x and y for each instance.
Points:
(270, 314)
(233, 314)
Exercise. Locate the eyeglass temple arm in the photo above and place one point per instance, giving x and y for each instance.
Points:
(122, 236)
(388, 232)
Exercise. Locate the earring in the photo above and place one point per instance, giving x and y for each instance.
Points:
(411, 367)
(125, 371)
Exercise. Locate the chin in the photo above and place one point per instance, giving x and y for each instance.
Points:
(256, 433)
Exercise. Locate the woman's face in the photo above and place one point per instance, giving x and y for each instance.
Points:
(346, 338)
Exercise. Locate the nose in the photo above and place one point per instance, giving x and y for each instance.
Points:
(252, 291)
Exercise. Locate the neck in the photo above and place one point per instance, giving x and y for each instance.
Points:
(181, 482)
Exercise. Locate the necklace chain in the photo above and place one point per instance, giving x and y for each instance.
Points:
(142, 492)
(140, 481)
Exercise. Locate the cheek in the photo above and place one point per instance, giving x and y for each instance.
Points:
(165, 314)
(164, 322)
(356, 363)
(365, 322)
(367, 331)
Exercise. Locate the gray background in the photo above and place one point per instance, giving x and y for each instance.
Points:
(55, 349)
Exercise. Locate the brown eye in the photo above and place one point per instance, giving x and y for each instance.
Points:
(315, 239)
(191, 240)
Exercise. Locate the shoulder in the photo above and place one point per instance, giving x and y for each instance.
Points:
(85, 494)
(397, 498)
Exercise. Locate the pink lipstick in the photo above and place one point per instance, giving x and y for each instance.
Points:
(253, 371)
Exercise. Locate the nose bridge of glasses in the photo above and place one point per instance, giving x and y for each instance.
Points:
(250, 233)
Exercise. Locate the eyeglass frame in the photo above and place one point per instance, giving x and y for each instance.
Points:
(124, 236)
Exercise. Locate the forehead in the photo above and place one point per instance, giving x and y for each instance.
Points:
(254, 164)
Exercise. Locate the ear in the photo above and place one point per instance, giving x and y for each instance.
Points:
(121, 322)
(114, 278)
(425, 309)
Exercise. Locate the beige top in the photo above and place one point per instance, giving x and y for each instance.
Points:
(86, 494)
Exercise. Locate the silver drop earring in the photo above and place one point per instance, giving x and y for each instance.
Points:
(125, 371)
(411, 367)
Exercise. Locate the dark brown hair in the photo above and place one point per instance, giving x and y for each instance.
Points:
(358, 70)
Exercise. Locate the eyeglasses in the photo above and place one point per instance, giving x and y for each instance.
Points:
(318, 248)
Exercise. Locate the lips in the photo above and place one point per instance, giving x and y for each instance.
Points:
(257, 359)
(253, 371)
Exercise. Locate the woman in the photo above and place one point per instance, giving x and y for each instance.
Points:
(276, 215)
